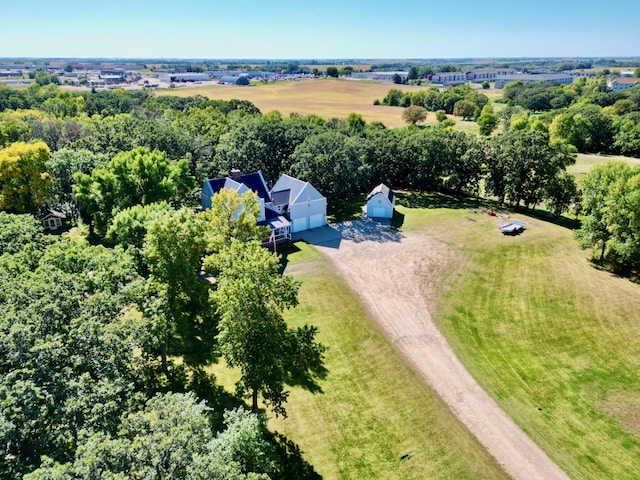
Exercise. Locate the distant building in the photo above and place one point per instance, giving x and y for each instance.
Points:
(548, 78)
(448, 78)
(384, 76)
(581, 73)
(232, 80)
(487, 74)
(622, 83)
(184, 77)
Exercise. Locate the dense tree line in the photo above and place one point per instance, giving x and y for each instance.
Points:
(88, 387)
(611, 214)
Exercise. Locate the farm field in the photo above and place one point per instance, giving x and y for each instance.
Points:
(374, 409)
(326, 98)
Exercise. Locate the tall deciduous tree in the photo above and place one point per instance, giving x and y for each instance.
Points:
(596, 185)
(254, 337)
(488, 121)
(139, 176)
(414, 114)
(333, 163)
(24, 183)
(173, 249)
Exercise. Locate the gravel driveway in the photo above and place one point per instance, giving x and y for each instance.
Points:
(395, 274)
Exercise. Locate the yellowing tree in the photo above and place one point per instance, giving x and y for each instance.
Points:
(24, 182)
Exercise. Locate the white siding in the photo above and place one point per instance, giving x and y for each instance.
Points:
(379, 206)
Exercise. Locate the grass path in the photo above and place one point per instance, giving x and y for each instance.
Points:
(374, 408)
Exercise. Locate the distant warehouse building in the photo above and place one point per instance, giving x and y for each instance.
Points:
(184, 77)
(559, 78)
(384, 76)
(233, 80)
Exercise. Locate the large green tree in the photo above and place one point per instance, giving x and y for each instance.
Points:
(596, 184)
(139, 176)
(24, 182)
(333, 163)
(251, 296)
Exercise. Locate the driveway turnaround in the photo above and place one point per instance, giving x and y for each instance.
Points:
(395, 275)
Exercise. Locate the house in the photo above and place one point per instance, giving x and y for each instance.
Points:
(52, 219)
(622, 83)
(240, 183)
(291, 206)
(300, 202)
(380, 202)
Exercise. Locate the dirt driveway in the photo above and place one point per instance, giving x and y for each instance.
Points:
(395, 274)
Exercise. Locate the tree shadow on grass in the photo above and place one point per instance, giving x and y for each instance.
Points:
(441, 200)
(295, 467)
(560, 220)
(284, 253)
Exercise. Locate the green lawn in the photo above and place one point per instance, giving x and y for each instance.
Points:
(586, 161)
(553, 339)
(373, 409)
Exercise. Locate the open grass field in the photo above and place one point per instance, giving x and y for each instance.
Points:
(326, 98)
(553, 339)
(586, 161)
(373, 409)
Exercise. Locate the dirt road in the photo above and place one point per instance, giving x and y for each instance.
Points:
(395, 274)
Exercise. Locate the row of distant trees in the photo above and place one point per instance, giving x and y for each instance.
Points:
(207, 138)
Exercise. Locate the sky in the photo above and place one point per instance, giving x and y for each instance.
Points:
(328, 29)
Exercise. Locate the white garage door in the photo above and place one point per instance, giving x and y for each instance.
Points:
(300, 224)
(316, 220)
(379, 212)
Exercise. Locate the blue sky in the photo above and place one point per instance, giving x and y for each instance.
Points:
(332, 29)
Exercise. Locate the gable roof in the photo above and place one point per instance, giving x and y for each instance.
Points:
(255, 181)
(295, 187)
(384, 190)
(251, 181)
(626, 80)
(280, 197)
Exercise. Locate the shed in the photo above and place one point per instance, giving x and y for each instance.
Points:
(380, 202)
(52, 219)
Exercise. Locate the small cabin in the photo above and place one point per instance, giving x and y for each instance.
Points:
(52, 219)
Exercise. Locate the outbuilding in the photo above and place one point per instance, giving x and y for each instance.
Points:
(380, 202)
(52, 219)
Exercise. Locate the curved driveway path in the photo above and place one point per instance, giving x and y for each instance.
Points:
(393, 273)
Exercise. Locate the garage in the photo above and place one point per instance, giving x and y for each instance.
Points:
(316, 221)
(379, 212)
(300, 224)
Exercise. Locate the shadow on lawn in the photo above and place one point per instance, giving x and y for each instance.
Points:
(294, 466)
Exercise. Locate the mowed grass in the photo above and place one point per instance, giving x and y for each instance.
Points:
(586, 161)
(327, 98)
(553, 339)
(373, 408)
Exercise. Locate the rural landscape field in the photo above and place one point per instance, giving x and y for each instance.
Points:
(330, 98)
(343, 240)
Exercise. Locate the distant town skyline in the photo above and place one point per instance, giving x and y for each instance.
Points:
(290, 29)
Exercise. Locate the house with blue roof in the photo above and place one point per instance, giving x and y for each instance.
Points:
(292, 205)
